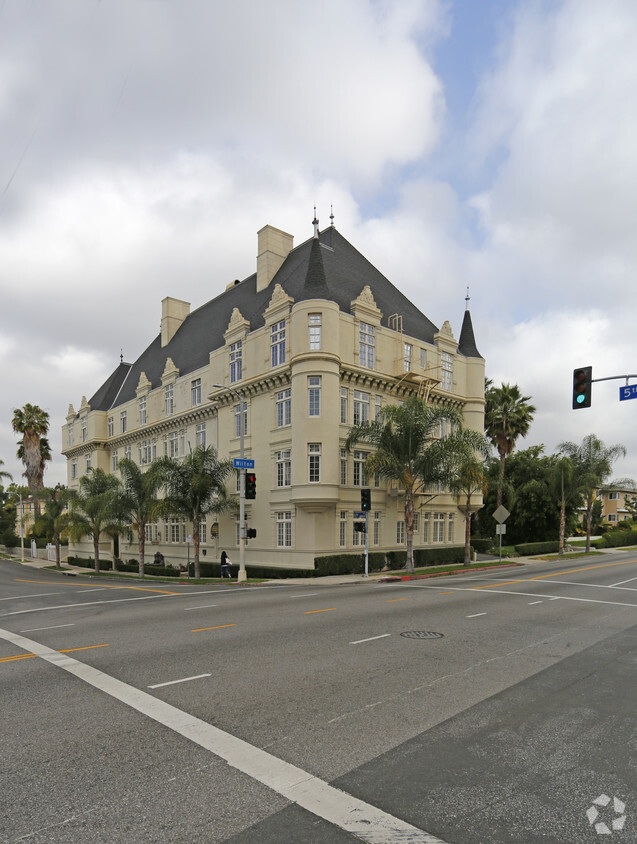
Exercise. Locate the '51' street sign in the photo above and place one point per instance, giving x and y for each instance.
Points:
(628, 392)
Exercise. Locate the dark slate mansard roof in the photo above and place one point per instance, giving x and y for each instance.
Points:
(327, 267)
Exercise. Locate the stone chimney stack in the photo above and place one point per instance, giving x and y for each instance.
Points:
(273, 248)
(173, 313)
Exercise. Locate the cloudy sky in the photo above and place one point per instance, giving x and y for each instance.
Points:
(492, 145)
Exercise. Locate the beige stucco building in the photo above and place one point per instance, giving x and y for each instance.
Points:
(315, 341)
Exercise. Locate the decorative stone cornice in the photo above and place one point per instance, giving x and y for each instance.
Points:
(365, 306)
(85, 407)
(170, 373)
(143, 385)
(238, 324)
(279, 302)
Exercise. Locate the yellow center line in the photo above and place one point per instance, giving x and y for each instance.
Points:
(445, 593)
(65, 651)
(103, 586)
(555, 574)
(218, 627)
(309, 612)
(391, 600)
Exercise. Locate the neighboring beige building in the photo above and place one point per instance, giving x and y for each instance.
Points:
(614, 504)
(316, 340)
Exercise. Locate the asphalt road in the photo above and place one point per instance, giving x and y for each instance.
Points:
(294, 713)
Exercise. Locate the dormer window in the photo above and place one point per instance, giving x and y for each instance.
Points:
(366, 345)
(236, 361)
(277, 343)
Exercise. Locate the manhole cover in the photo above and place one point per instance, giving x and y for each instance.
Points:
(422, 634)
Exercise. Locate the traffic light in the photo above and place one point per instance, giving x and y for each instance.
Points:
(251, 485)
(366, 499)
(251, 533)
(582, 387)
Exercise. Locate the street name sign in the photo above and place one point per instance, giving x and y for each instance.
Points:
(243, 463)
(628, 392)
(359, 515)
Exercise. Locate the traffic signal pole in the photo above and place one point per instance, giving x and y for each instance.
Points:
(582, 386)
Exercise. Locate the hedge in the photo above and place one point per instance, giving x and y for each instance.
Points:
(481, 546)
(617, 537)
(394, 560)
(347, 564)
(530, 549)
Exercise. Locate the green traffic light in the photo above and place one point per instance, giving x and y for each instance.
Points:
(580, 399)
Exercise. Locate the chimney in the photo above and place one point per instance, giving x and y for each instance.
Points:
(274, 246)
(173, 313)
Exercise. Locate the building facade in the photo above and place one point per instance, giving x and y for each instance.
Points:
(315, 341)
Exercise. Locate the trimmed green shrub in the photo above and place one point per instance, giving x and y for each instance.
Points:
(530, 549)
(616, 538)
(437, 556)
(105, 565)
(346, 564)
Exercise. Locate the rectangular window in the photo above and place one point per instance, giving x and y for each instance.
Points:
(612, 517)
(450, 528)
(283, 408)
(277, 343)
(237, 417)
(358, 537)
(314, 395)
(128, 452)
(377, 407)
(376, 533)
(123, 423)
(236, 361)
(613, 496)
(73, 469)
(145, 454)
(446, 370)
(203, 533)
(314, 462)
(360, 478)
(88, 462)
(70, 429)
(284, 529)
(423, 359)
(284, 467)
(114, 460)
(439, 527)
(425, 528)
(175, 530)
(173, 444)
(170, 399)
(343, 467)
(366, 345)
(142, 410)
(344, 395)
(315, 332)
(407, 353)
(84, 430)
(342, 528)
(110, 427)
(400, 533)
(416, 524)
(195, 392)
(361, 407)
(200, 435)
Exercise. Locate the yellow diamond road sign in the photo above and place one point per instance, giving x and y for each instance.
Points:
(501, 514)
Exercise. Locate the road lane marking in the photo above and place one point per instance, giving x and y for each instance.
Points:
(371, 639)
(82, 604)
(218, 627)
(621, 582)
(306, 595)
(532, 603)
(392, 600)
(22, 597)
(476, 615)
(52, 627)
(533, 595)
(183, 680)
(445, 593)
(94, 589)
(360, 819)
(310, 612)
(557, 574)
(31, 655)
(105, 586)
(202, 607)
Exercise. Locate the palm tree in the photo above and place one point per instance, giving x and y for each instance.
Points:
(469, 479)
(45, 456)
(507, 417)
(195, 486)
(54, 521)
(408, 449)
(567, 487)
(33, 424)
(592, 464)
(93, 510)
(138, 501)
(4, 474)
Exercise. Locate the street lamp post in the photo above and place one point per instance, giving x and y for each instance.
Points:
(242, 484)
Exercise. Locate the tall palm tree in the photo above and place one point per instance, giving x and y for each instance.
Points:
(33, 424)
(408, 449)
(592, 464)
(568, 489)
(45, 456)
(93, 510)
(195, 486)
(508, 415)
(138, 502)
(54, 520)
